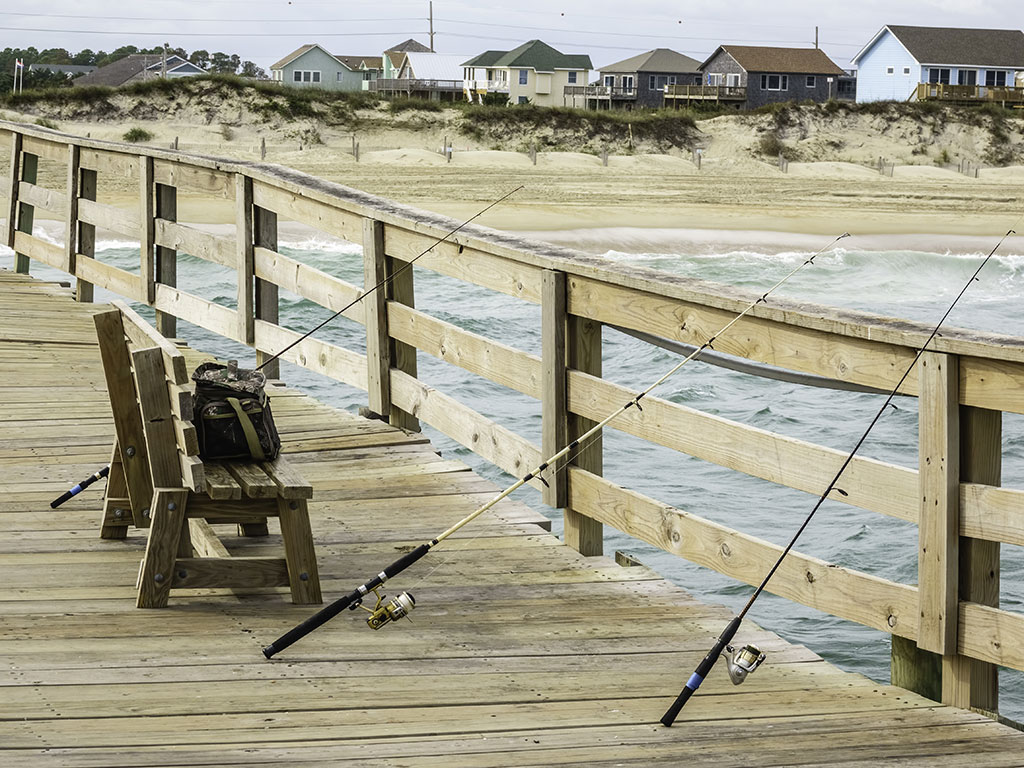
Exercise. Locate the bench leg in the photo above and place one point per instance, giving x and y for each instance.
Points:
(258, 528)
(165, 537)
(117, 509)
(303, 577)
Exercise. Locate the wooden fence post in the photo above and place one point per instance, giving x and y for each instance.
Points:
(582, 533)
(71, 223)
(13, 177)
(246, 266)
(554, 389)
(86, 237)
(403, 356)
(26, 213)
(981, 462)
(268, 308)
(939, 523)
(147, 227)
(166, 258)
(378, 338)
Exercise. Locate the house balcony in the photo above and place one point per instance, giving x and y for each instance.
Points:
(410, 86)
(970, 94)
(598, 92)
(678, 93)
(486, 86)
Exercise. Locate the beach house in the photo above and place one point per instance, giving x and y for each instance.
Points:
(422, 74)
(140, 66)
(640, 81)
(312, 66)
(533, 73)
(749, 76)
(903, 63)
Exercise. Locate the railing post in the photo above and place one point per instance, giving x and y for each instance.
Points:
(939, 523)
(403, 356)
(22, 214)
(166, 258)
(582, 533)
(378, 337)
(147, 233)
(246, 264)
(71, 224)
(13, 177)
(981, 462)
(86, 237)
(554, 389)
(267, 293)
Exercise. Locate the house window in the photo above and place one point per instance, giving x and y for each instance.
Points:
(906, 70)
(524, 100)
(609, 80)
(297, 76)
(572, 77)
(774, 82)
(522, 77)
(810, 82)
(890, 70)
(733, 80)
(306, 75)
(627, 82)
(994, 78)
(937, 75)
(967, 77)
(658, 82)
(714, 78)
(341, 76)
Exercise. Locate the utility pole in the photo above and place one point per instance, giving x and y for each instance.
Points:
(815, 37)
(163, 63)
(431, 26)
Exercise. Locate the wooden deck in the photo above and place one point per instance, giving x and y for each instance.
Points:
(520, 652)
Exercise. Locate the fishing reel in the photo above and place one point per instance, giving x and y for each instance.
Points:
(742, 662)
(383, 613)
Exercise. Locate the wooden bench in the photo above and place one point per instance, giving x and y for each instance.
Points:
(157, 480)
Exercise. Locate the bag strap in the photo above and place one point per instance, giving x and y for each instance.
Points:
(255, 449)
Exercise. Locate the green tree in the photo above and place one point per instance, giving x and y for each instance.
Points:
(200, 58)
(249, 69)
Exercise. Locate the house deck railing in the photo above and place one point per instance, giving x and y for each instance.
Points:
(600, 91)
(706, 92)
(970, 93)
(410, 85)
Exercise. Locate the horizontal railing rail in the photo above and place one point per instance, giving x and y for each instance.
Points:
(948, 92)
(709, 92)
(965, 383)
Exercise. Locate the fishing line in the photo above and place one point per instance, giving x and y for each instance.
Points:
(407, 265)
(750, 657)
(354, 599)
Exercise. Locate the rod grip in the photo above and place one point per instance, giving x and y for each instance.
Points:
(702, 671)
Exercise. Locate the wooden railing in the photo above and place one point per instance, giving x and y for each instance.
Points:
(706, 92)
(600, 91)
(410, 85)
(964, 382)
(970, 93)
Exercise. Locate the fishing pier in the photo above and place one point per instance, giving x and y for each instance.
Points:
(524, 649)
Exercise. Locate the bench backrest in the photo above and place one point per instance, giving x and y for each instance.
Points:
(151, 399)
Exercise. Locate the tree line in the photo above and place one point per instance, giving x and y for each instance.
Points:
(217, 62)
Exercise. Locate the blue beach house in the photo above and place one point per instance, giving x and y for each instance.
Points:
(903, 63)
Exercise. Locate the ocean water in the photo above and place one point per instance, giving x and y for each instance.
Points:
(883, 276)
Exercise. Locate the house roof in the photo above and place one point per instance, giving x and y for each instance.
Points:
(951, 45)
(121, 71)
(533, 54)
(355, 63)
(294, 55)
(435, 66)
(798, 61)
(658, 60)
(408, 45)
(67, 69)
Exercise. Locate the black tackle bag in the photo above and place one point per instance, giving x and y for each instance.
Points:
(231, 413)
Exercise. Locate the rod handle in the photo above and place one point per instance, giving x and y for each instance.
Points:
(702, 671)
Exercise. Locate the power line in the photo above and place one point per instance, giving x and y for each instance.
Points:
(180, 33)
(205, 21)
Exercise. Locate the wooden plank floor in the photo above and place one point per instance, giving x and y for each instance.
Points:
(520, 652)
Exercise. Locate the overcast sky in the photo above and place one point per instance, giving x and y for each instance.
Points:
(264, 31)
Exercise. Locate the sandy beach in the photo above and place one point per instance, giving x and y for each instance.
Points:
(566, 191)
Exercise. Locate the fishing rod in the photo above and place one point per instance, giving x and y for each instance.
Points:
(400, 606)
(71, 493)
(747, 659)
(407, 265)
